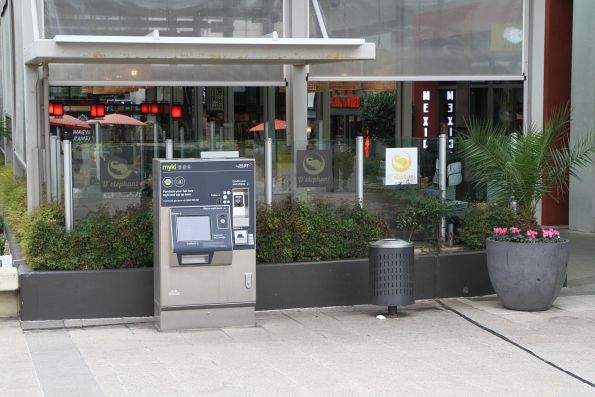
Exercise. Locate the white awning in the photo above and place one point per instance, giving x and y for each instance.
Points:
(196, 50)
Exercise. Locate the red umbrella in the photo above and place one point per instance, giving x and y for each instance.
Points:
(69, 122)
(118, 119)
(279, 125)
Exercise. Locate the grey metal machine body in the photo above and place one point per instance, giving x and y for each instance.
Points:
(204, 243)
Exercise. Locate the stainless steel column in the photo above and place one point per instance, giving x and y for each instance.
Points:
(320, 141)
(169, 149)
(268, 171)
(97, 128)
(53, 182)
(155, 140)
(443, 141)
(359, 171)
(142, 154)
(58, 166)
(68, 212)
(46, 132)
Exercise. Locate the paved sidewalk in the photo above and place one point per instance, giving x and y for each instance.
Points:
(433, 348)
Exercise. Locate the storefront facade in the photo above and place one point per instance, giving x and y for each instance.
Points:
(440, 62)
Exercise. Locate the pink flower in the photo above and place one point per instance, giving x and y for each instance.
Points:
(550, 233)
(531, 234)
(500, 231)
(515, 230)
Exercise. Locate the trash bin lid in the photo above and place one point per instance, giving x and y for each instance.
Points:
(391, 243)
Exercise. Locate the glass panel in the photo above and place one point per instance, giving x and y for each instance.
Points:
(324, 171)
(412, 211)
(427, 37)
(145, 74)
(195, 18)
(114, 173)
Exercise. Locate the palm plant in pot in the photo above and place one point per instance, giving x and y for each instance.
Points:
(526, 263)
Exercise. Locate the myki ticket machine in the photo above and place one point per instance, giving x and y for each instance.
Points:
(204, 248)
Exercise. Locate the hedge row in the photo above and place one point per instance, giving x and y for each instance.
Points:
(299, 231)
(288, 232)
(98, 242)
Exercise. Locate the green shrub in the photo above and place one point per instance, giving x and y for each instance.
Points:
(298, 231)
(97, 242)
(479, 220)
(421, 216)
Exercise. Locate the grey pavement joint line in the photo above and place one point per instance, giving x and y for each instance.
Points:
(515, 344)
(59, 365)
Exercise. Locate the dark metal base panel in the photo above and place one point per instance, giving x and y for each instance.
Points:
(86, 294)
(129, 293)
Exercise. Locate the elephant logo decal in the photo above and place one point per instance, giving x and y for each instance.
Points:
(118, 170)
(313, 164)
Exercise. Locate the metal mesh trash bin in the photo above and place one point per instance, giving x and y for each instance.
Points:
(391, 273)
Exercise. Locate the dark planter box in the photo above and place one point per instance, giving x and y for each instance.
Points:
(345, 282)
(86, 294)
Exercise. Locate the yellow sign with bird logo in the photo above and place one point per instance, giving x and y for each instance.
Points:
(401, 166)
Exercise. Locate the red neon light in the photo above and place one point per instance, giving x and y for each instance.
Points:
(176, 111)
(154, 108)
(144, 108)
(51, 108)
(100, 110)
(58, 109)
(97, 110)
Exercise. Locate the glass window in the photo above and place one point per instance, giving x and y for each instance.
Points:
(427, 37)
(195, 18)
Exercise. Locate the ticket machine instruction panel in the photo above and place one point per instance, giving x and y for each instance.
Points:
(213, 183)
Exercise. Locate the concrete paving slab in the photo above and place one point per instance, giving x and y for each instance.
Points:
(427, 350)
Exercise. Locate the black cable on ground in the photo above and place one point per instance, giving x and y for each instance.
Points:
(504, 338)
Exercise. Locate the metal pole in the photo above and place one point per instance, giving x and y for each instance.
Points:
(268, 171)
(97, 128)
(46, 132)
(53, 182)
(68, 213)
(142, 154)
(443, 141)
(320, 143)
(155, 140)
(58, 160)
(169, 149)
(359, 171)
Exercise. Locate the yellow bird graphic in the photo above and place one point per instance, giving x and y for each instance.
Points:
(401, 163)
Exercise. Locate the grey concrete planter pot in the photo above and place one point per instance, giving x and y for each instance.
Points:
(527, 276)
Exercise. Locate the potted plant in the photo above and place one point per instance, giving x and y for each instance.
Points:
(526, 263)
